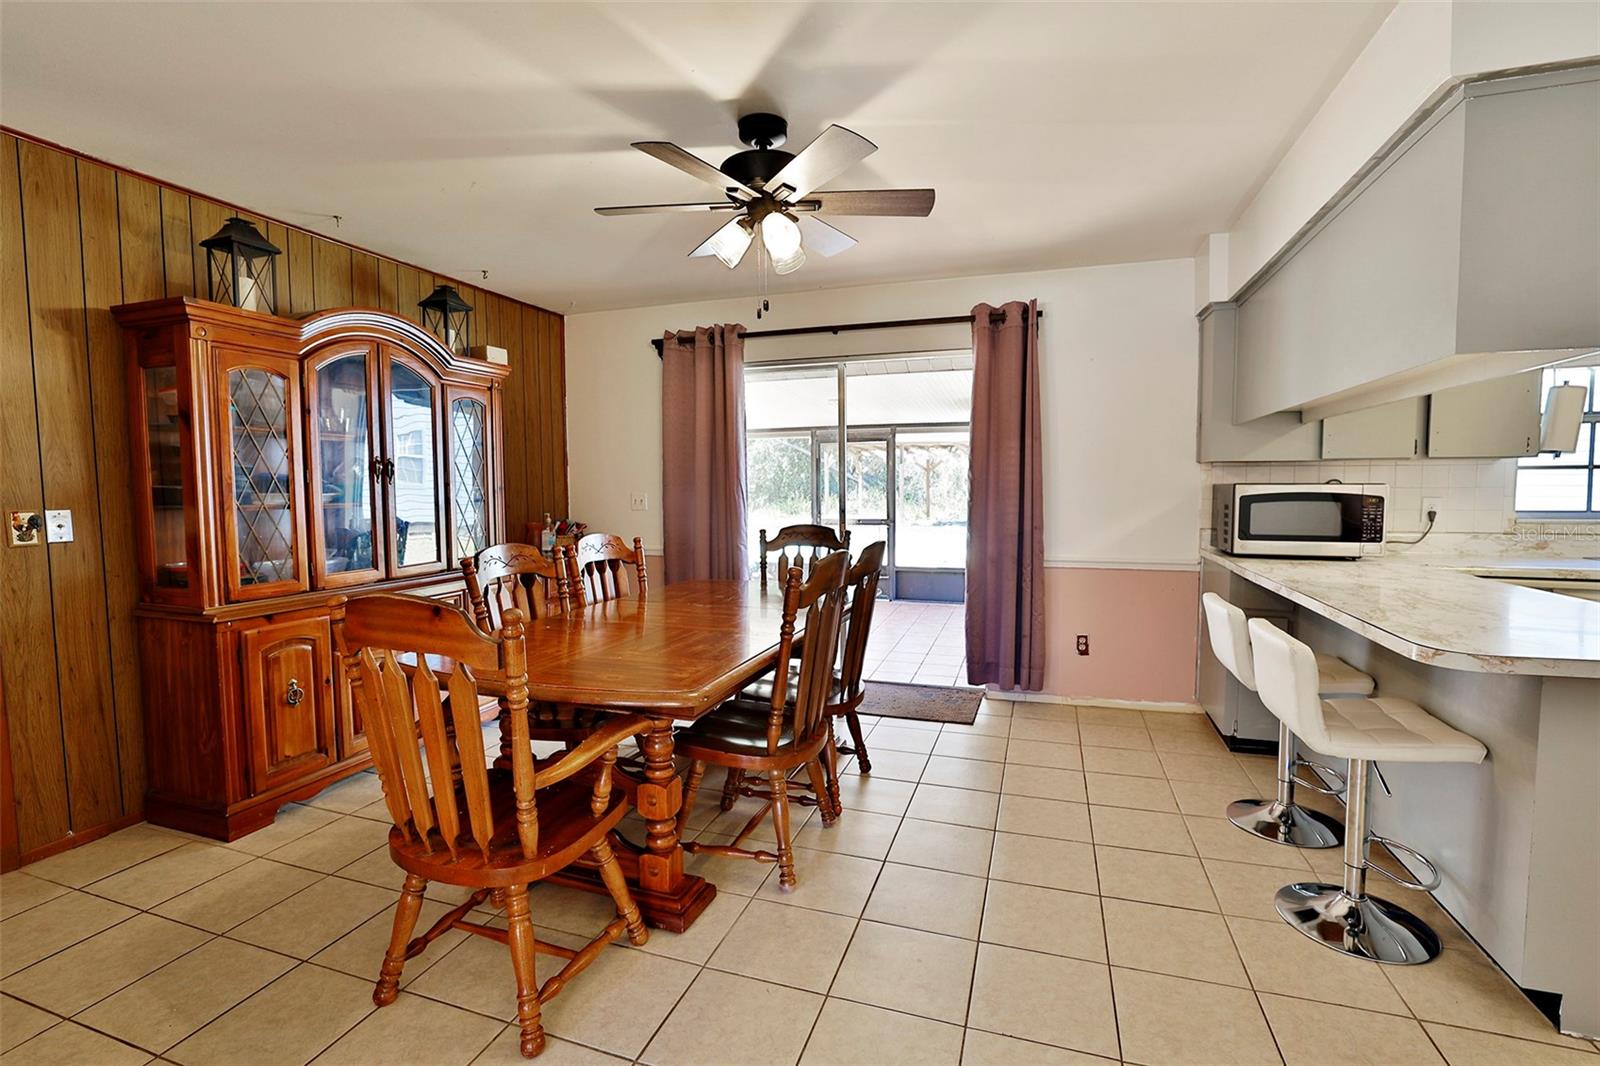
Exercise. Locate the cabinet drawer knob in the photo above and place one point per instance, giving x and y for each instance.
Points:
(295, 693)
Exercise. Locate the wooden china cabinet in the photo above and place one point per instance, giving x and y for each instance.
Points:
(279, 463)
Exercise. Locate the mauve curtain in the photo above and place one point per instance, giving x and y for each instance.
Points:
(1005, 510)
(702, 454)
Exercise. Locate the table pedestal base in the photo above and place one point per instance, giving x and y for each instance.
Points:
(674, 909)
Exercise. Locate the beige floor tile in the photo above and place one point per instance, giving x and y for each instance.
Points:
(763, 942)
(21, 1021)
(1125, 790)
(1044, 753)
(1173, 941)
(414, 1030)
(1066, 864)
(349, 795)
(102, 858)
(336, 844)
(848, 1033)
(1463, 988)
(731, 823)
(1052, 730)
(992, 1049)
(1044, 782)
(571, 910)
(1046, 998)
(1114, 736)
(1248, 890)
(1123, 827)
(59, 923)
(289, 1022)
(21, 891)
(1044, 710)
(69, 1044)
(158, 879)
(958, 806)
(506, 1050)
(769, 1017)
(292, 822)
(993, 704)
(960, 849)
(1188, 741)
(1032, 816)
(310, 920)
(477, 975)
(1044, 919)
(92, 969)
(1125, 761)
(1468, 1047)
(1261, 769)
(740, 876)
(161, 1009)
(991, 725)
(857, 833)
(1215, 769)
(1218, 838)
(907, 970)
(1280, 959)
(376, 867)
(619, 1001)
(696, 943)
(899, 738)
(360, 952)
(935, 900)
(1151, 877)
(828, 881)
(1125, 717)
(971, 746)
(238, 895)
(963, 773)
(896, 765)
(1209, 800)
(880, 795)
(1321, 1034)
(1166, 1019)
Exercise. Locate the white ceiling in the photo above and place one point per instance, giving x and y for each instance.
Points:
(474, 136)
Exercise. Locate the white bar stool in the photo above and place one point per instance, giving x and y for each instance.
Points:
(1344, 917)
(1280, 819)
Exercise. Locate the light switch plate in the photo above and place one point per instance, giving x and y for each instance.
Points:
(639, 502)
(25, 527)
(58, 526)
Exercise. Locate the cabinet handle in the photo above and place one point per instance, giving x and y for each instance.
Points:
(295, 693)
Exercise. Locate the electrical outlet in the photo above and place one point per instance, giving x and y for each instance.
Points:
(1083, 644)
(639, 502)
(1434, 504)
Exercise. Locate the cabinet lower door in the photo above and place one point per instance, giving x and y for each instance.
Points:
(288, 700)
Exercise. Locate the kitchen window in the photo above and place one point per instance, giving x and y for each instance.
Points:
(1565, 485)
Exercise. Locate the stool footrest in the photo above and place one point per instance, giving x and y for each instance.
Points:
(1320, 783)
(1434, 878)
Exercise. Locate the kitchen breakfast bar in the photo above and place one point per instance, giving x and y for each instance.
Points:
(1499, 639)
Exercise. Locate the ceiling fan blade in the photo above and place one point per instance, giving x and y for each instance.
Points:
(693, 165)
(907, 202)
(651, 209)
(822, 238)
(835, 150)
(725, 244)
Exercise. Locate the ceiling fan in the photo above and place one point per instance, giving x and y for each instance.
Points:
(775, 192)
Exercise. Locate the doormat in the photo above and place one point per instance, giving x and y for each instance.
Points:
(924, 703)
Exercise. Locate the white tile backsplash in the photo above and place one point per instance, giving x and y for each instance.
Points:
(1478, 494)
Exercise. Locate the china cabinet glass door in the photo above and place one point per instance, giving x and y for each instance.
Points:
(346, 536)
(262, 532)
(469, 474)
(411, 469)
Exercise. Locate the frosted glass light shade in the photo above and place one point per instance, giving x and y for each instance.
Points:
(730, 243)
(782, 237)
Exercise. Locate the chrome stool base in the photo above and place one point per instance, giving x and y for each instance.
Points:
(1367, 928)
(1286, 823)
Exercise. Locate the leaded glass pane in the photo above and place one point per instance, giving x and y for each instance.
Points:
(262, 503)
(467, 468)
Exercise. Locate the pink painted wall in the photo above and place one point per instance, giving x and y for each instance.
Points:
(1142, 627)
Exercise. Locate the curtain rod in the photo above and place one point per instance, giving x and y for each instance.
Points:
(851, 327)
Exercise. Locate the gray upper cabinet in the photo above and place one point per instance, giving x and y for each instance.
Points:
(1489, 420)
(1279, 437)
(1387, 431)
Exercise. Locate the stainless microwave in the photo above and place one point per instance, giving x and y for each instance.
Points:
(1299, 521)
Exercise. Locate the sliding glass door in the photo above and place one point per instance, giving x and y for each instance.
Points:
(903, 470)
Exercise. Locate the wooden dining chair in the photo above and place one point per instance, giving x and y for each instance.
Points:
(598, 568)
(849, 687)
(457, 821)
(809, 544)
(506, 576)
(794, 728)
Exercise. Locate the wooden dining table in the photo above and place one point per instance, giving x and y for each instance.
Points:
(671, 656)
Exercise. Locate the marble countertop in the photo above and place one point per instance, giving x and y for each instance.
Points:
(1445, 608)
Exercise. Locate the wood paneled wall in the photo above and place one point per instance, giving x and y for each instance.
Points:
(76, 238)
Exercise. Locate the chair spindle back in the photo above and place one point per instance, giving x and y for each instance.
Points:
(503, 576)
(810, 544)
(863, 582)
(822, 597)
(598, 570)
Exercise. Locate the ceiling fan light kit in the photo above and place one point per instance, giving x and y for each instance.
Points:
(776, 192)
